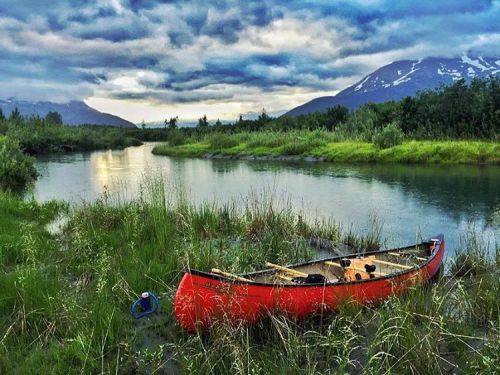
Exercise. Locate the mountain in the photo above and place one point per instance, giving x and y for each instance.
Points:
(404, 78)
(73, 113)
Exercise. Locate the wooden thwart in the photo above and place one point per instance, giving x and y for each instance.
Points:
(329, 263)
(287, 270)
(400, 255)
(227, 274)
(391, 264)
(283, 277)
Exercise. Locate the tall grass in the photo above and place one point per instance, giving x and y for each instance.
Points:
(64, 300)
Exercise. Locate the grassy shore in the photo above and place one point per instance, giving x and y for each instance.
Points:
(36, 136)
(328, 146)
(43, 139)
(65, 296)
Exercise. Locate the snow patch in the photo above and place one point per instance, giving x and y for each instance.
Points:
(360, 85)
(485, 62)
(471, 72)
(406, 77)
(399, 72)
(475, 63)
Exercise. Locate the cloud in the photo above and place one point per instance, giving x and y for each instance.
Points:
(226, 52)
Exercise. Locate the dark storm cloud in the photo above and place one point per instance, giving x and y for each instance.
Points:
(196, 50)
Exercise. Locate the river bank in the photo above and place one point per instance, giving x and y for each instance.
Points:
(324, 146)
(65, 296)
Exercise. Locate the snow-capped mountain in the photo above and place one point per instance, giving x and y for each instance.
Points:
(73, 113)
(404, 78)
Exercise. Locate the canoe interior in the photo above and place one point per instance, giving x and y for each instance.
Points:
(385, 264)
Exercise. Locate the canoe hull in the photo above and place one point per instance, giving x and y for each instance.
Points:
(203, 299)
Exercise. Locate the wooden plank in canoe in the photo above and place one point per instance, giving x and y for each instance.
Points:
(391, 264)
(227, 274)
(287, 270)
(402, 255)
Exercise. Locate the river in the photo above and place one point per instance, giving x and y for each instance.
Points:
(404, 200)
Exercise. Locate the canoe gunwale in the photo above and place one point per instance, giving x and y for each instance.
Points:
(332, 283)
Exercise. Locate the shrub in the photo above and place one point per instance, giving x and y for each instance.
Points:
(16, 168)
(389, 136)
(220, 141)
(176, 138)
(361, 124)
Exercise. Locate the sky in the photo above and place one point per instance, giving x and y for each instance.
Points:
(152, 59)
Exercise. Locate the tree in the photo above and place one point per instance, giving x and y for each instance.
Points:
(15, 115)
(54, 118)
(203, 122)
(263, 117)
(2, 117)
(240, 120)
(172, 123)
(218, 123)
(143, 125)
(335, 116)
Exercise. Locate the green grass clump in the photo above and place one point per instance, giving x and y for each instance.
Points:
(390, 136)
(191, 149)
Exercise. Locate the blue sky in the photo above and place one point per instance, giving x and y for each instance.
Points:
(149, 59)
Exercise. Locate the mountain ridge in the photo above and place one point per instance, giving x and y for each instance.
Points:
(73, 113)
(403, 78)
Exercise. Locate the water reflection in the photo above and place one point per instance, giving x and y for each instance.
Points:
(404, 198)
(469, 190)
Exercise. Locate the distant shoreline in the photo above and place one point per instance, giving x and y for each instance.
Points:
(409, 152)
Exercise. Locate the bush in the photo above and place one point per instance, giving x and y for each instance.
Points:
(361, 124)
(175, 137)
(16, 168)
(220, 141)
(389, 136)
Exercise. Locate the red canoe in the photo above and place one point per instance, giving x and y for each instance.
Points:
(304, 289)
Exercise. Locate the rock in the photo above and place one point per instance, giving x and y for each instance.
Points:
(310, 159)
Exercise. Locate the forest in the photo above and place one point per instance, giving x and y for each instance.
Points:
(461, 111)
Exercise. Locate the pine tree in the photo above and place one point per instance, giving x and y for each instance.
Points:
(15, 115)
(172, 123)
(203, 122)
(54, 118)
